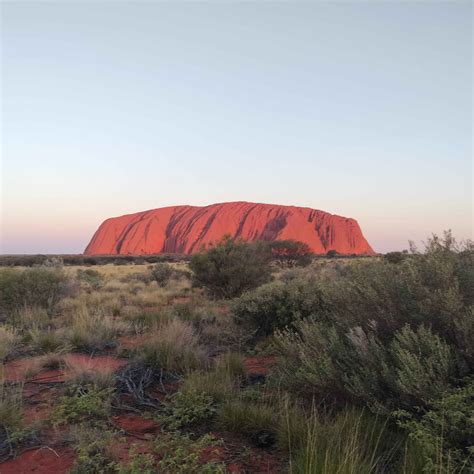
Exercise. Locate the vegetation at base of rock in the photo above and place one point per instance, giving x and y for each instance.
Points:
(343, 365)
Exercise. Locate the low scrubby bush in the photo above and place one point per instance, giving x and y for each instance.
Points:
(229, 268)
(278, 305)
(39, 286)
(185, 409)
(397, 339)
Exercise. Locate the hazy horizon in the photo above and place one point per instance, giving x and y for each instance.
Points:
(358, 109)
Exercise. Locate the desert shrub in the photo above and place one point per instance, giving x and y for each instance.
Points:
(183, 455)
(290, 253)
(434, 286)
(82, 403)
(277, 305)
(92, 278)
(231, 267)
(423, 365)
(445, 431)
(9, 338)
(138, 463)
(162, 273)
(93, 451)
(185, 409)
(174, 347)
(395, 257)
(40, 286)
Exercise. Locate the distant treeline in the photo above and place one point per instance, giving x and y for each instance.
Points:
(87, 260)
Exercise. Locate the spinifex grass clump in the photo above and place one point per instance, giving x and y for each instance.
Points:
(13, 432)
(173, 347)
(9, 338)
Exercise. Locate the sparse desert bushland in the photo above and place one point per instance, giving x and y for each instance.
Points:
(231, 267)
(396, 341)
(373, 372)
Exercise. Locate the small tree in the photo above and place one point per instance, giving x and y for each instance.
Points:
(162, 273)
(231, 267)
(291, 253)
(332, 253)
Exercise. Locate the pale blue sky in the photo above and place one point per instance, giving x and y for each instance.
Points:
(359, 109)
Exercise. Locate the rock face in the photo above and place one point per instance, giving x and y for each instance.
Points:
(186, 229)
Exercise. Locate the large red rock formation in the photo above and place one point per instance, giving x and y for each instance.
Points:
(186, 229)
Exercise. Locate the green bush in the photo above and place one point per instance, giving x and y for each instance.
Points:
(93, 451)
(92, 278)
(185, 409)
(277, 305)
(231, 267)
(82, 403)
(182, 455)
(162, 273)
(445, 431)
(399, 337)
(35, 287)
(290, 253)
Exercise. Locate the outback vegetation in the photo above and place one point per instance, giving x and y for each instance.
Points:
(248, 358)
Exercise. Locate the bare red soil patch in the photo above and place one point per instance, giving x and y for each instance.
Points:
(133, 423)
(259, 365)
(40, 461)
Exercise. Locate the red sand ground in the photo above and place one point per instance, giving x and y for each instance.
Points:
(40, 461)
(185, 229)
(134, 423)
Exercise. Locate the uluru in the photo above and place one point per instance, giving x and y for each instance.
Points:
(187, 229)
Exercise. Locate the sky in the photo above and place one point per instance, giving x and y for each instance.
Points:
(362, 109)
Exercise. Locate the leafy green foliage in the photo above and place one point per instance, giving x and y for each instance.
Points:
(82, 403)
(277, 305)
(185, 409)
(93, 453)
(183, 455)
(290, 253)
(231, 267)
(397, 339)
(445, 431)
